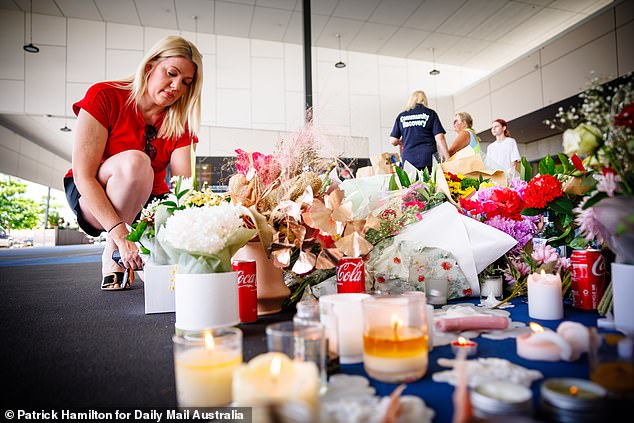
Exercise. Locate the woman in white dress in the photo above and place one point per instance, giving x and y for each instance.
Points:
(502, 154)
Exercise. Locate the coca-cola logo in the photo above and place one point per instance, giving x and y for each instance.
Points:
(350, 272)
(598, 268)
(246, 279)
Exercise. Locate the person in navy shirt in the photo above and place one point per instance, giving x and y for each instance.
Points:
(419, 131)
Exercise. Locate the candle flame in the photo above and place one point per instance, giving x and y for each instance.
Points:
(543, 273)
(210, 344)
(276, 368)
(535, 327)
(396, 323)
(574, 390)
(462, 340)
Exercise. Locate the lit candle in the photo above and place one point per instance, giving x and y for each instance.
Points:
(543, 345)
(273, 378)
(394, 347)
(204, 367)
(468, 346)
(545, 299)
(573, 399)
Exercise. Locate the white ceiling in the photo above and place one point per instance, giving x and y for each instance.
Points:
(483, 34)
(477, 34)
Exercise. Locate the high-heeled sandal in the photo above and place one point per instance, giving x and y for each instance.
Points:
(117, 281)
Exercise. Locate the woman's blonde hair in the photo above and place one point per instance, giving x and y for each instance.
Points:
(186, 110)
(417, 97)
(466, 117)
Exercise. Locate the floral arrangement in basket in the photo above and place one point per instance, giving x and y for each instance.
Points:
(601, 130)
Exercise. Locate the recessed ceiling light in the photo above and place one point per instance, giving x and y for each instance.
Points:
(65, 129)
(434, 72)
(340, 65)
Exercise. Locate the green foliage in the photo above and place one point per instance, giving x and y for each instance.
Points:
(54, 218)
(16, 211)
(547, 166)
(526, 171)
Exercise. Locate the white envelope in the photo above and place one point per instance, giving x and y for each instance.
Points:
(474, 244)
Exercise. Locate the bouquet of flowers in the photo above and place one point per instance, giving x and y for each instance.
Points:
(154, 216)
(203, 239)
(601, 130)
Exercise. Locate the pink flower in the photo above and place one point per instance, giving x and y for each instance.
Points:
(589, 225)
(607, 182)
(544, 254)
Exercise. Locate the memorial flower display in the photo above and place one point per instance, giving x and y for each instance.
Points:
(601, 131)
(203, 239)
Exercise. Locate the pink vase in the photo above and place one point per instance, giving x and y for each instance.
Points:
(272, 291)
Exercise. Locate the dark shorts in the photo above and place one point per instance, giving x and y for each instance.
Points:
(73, 195)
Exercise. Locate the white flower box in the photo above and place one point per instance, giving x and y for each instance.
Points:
(159, 295)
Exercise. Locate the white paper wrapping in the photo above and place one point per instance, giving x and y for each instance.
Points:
(475, 245)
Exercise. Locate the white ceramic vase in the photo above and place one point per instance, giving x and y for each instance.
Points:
(206, 300)
(622, 295)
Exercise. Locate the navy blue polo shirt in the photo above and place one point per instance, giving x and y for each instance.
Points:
(418, 128)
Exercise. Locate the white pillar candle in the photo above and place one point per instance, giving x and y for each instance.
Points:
(204, 367)
(577, 335)
(545, 300)
(274, 378)
(349, 330)
(543, 345)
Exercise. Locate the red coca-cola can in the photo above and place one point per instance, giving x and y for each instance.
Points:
(247, 290)
(588, 278)
(350, 275)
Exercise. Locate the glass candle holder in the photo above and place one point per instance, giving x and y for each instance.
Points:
(395, 338)
(491, 285)
(345, 331)
(300, 342)
(204, 363)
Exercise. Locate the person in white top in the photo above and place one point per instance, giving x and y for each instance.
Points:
(502, 154)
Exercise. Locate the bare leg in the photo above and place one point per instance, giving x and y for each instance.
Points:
(127, 178)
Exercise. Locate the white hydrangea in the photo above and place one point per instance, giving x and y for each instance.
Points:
(203, 229)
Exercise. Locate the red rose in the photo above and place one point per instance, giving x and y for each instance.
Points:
(446, 265)
(380, 279)
(421, 278)
(467, 292)
(397, 260)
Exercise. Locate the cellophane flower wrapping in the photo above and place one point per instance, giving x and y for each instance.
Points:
(203, 239)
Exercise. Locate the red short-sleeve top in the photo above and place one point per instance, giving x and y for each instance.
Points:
(108, 103)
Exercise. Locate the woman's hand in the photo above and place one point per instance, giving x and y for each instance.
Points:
(130, 257)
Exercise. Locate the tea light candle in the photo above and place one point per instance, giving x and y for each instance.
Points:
(543, 345)
(273, 378)
(204, 367)
(466, 345)
(500, 397)
(395, 350)
(545, 300)
(572, 394)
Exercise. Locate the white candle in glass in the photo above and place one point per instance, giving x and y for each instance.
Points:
(349, 324)
(545, 300)
(543, 345)
(274, 378)
(204, 367)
